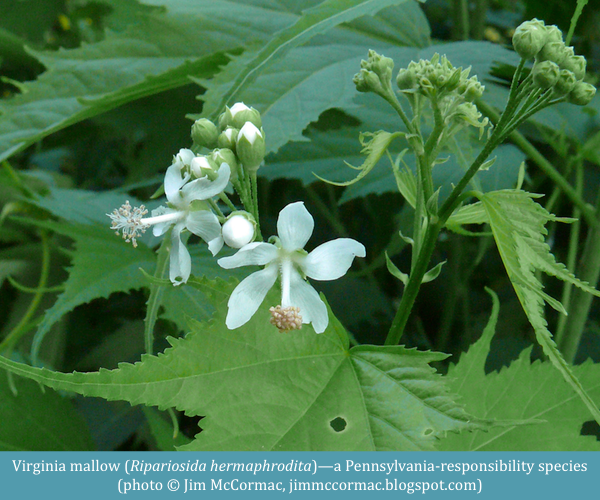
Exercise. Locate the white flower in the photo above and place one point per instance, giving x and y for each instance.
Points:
(288, 260)
(180, 214)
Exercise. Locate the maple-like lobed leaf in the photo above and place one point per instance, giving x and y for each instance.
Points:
(259, 389)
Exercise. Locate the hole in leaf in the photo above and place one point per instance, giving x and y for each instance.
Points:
(427, 432)
(338, 424)
(591, 428)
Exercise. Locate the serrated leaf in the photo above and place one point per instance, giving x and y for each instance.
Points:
(517, 223)
(320, 75)
(34, 419)
(521, 391)
(157, 52)
(244, 70)
(102, 264)
(263, 390)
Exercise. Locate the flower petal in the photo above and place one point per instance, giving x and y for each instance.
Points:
(185, 156)
(180, 260)
(253, 254)
(203, 223)
(332, 260)
(305, 297)
(249, 295)
(173, 183)
(295, 226)
(215, 245)
(204, 188)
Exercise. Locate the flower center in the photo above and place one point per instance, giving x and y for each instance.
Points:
(286, 318)
(129, 220)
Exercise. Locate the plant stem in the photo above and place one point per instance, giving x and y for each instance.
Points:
(22, 327)
(395, 103)
(588, 270)
(460, 14)
(414, 284)
(156, 293)
(571, 257)
(254, 184)
(478, 24)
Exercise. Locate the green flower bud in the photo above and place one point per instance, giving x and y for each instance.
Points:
(553, 34)
(225, 119)
(552, 51)
(239, 229)
(250, 147)
(406, 80)
(227, 138)
(545, 74)
(382, 66)
(582, 93)
(240, 114)
(204, 133)
(474, 89)
(367, 81)
(576, 64)
(453, 81)
(220, 156)
(529, 38)
(565, 83)
(375, 74)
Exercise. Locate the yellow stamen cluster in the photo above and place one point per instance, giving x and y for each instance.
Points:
(286, 318)
(129, 221)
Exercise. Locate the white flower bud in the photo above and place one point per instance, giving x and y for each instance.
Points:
(200, 166)
(227, 138)
(250, 146)
(238, 230)
(240, 114)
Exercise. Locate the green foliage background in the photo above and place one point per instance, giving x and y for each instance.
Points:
(96, 96)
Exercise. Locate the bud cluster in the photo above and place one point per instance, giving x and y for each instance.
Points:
(437, 78)
(375, 74)
(556, 66)
(451, 89)
(237, 139)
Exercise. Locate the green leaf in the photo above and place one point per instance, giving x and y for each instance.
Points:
(35, 419)
(319, 76)
(84, 207)
(517, 223)
(243, 72)
(259, 389)
(394, 271)
(521, 391)
(375, 146)
(102, 264)
(157, 52)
